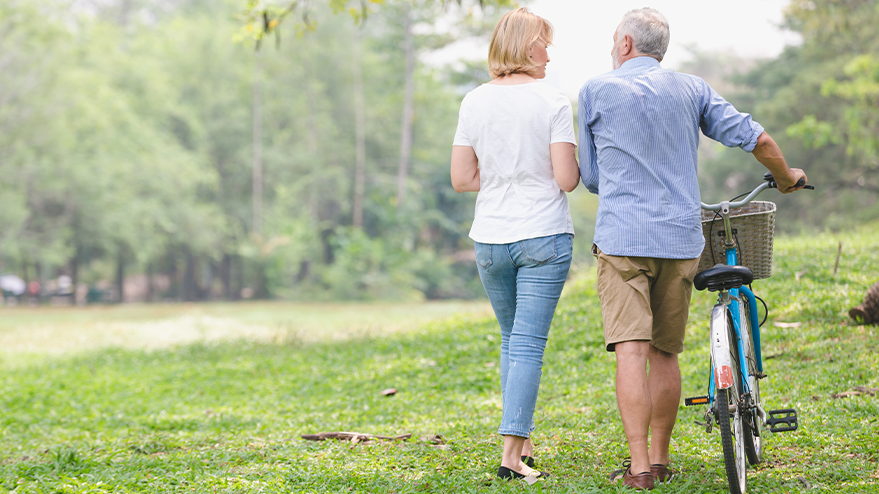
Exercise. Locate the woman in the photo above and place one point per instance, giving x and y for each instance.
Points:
(515, 147)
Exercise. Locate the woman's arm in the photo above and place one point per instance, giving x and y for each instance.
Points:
(564, 165)
(465, 169)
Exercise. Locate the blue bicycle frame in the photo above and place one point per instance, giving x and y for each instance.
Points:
(735, 312)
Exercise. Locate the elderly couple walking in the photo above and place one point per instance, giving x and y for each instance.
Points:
(639, 131)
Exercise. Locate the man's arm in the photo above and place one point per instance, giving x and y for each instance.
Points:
(769, 155)
(465, 169)
(588, 156)
(723, 123)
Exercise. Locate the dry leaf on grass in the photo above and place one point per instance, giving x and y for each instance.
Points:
(434, 439)
(779, 324)
(354, 437)
(856, 391)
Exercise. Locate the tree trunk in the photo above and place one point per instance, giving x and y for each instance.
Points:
(408, 109)
(226, 275)
(74, 267)
(120, 276)
(151, 289)
(262, 283)
(173, 275)
(208, 280)
(189, 288)
(304, 271)
(359, 137)
(257, 144)
(26, 277)
(239, 277)
(311, 127)
(24, 271)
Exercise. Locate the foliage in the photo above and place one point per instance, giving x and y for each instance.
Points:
(846, 28)
(859, 126)
(127, 148)
(228, 416)
(261, 18)
(818, 100)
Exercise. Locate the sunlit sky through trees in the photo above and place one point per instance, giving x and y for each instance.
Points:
(584, 30)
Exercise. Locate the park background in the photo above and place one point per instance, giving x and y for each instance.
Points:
(148, 148)
(211, 151)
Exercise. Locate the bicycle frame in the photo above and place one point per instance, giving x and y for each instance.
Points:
(721, 377)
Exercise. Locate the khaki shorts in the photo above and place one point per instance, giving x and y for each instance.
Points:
(645, 299)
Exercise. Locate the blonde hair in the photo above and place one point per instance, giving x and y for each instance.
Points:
(514, 34)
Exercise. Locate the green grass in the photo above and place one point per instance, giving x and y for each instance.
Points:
(226, 416)
(29, 333)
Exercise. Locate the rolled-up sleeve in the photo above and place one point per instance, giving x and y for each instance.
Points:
(726, 125)
(587, 152)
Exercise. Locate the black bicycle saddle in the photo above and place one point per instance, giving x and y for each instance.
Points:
(723, 277)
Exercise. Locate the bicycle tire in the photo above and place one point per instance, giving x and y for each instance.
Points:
(752, 424)
(731, 430)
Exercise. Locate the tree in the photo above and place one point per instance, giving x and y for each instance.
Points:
(126, 144)
(816, 99)
(261, 18)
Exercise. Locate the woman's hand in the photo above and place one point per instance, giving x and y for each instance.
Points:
(564, 165)
(465, 169)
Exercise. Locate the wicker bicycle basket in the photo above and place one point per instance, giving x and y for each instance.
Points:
(753, 228)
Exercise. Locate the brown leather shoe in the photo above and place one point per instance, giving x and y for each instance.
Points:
(661, 473)
(643, 480)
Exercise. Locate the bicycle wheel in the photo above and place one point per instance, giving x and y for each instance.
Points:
(752, 424)
(731, 430)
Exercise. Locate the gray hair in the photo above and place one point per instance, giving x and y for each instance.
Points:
(648, 29)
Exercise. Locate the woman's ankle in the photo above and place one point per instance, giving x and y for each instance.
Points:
(528, 448)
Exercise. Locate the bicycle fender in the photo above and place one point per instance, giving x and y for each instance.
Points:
(723, 375)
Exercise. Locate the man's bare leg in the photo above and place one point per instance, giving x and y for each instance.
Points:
(664, 382)
(633, 399)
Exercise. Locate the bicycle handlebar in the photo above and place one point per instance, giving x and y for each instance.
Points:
(754, 193)
(768, 184)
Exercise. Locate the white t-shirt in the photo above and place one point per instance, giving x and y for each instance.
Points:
(510, 128)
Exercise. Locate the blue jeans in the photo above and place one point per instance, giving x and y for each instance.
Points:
(523, 281)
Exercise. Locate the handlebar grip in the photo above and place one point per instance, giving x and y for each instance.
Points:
(800, 182)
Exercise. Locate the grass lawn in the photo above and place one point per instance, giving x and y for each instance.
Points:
(226, 415)
(28, 333)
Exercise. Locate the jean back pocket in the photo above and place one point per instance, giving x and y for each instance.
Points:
(483, 255)
(540, 250)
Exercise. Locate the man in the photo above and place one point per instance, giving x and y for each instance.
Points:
(639, 132)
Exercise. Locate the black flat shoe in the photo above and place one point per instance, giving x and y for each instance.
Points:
(507, 474)
(528, 461)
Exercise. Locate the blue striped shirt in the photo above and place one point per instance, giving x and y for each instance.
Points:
(639, 133)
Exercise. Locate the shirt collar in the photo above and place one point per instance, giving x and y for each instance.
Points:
(640, 61)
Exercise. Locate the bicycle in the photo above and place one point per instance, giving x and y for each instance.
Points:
(734, 402)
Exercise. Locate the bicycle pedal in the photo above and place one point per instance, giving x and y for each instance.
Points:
(696, 400)
(784, 420)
